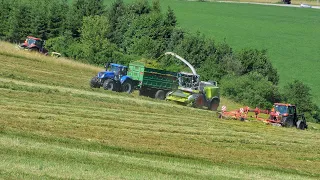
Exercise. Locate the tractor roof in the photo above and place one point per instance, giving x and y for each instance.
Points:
(117, 65)
(31, 37)
(283, 104)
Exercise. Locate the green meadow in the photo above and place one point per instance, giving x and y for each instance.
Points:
(53, 126)
(291, 35)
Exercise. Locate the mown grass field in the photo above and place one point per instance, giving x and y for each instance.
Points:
(291, 35)
(53, 126)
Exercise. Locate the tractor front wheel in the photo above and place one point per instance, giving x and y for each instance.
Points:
(94, 82)
(109, 84)
(127, 86)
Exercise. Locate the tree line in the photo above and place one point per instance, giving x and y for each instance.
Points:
(89, 31)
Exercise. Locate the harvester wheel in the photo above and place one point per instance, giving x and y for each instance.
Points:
(198, 101)
(214, 105)
(160, 94)
(127, 86)
(94, 82)
(109, 85)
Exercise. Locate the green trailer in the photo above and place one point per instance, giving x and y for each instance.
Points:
(152, 82)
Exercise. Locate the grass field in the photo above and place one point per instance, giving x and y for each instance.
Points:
(291, 35)
(293, 2)
(53, 126)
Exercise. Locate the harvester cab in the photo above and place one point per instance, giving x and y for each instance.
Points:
(188, 81)
(192, 91)
(109, 78)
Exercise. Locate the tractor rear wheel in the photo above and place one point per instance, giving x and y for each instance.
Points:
(301, 125)
(160, 94)
(109, 84)
(34, 49)
(94, 82)
(127, 86)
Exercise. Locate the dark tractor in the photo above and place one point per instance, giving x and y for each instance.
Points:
(110, 79)
(286, 115)
(34, 44)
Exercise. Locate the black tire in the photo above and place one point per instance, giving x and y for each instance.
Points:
(160, 94)
(198, 101)
(127, 86)
(94, 82)
(34, 49)
(286, 122)
(109, 84)
(301, 125)
(214, 104)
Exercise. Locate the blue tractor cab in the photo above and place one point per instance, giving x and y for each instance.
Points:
(110, 78)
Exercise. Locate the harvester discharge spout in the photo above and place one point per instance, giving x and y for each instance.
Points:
(192, 91)
(183, 60)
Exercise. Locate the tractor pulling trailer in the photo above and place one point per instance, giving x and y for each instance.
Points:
(281, 114)
(150, 82)
(183, 88)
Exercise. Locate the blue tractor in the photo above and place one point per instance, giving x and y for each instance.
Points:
(114, 78)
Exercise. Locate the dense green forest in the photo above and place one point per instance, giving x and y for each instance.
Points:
(89, 31)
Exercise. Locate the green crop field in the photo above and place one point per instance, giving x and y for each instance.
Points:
(291, 35)
(53, 126)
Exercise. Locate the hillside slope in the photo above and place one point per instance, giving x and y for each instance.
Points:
(53, 126)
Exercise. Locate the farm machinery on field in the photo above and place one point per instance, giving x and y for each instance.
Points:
(192, 91)
(112, 78)
(281, 114)
(184, 88)
(37, 45)
(150, 82)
